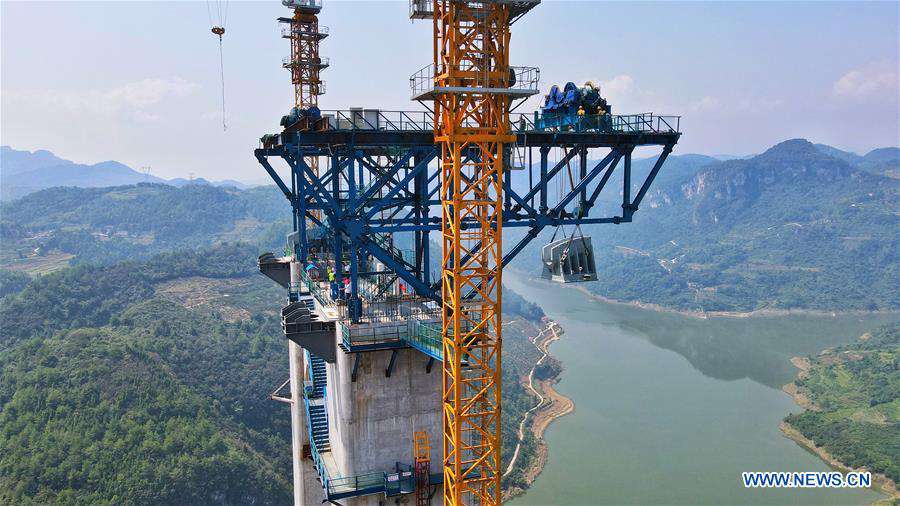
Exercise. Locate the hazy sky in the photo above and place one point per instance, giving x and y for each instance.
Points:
(139, 82)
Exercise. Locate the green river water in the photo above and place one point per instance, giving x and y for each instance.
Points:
(671, 409)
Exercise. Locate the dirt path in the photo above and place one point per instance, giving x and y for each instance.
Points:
(550, 406)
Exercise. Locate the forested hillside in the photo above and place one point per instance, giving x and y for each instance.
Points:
(136, 370)
(855, 392)
(113, 389)
(793, 227)
(60, 226)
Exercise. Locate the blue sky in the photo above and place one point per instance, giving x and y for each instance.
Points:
(138, 82)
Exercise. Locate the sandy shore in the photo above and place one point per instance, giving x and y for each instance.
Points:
(880, 482)
(551, 405)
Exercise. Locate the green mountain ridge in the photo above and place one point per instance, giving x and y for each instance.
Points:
(791, 228)
(127, 222)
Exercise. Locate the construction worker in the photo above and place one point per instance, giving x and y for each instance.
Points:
(330, 272)
(580, 117)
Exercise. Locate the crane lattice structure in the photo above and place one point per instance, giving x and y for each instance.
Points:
(471, 105)
(368, 215)
(304, 62)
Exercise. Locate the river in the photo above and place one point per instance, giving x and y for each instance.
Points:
(671, 409)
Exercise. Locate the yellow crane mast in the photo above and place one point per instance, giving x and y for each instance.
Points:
(471, 73)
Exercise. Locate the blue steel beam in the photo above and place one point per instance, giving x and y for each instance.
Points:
(583, 210)
(420, 166)
(352, 218)
(649, 181)
(390, 262)
(557, 211)
(274, 175)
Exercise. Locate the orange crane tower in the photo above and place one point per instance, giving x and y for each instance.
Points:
(471, 105)
(304, 63)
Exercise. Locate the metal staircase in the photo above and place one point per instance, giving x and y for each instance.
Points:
(318, 421)
(317, 369)
(315, 398)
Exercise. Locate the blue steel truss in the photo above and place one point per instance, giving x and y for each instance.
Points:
(380, 182)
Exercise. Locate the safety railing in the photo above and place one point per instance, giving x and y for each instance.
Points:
(287, 30)
(423, 121)
(322, 294)
(519, 79)
(303, 4)
(401, 482)
(392, 308)
(374, 335)
(421, 9)
(289, 62)
(427, 338)
(313, 450)
(622, 123)
(356, 485)
(376, 119)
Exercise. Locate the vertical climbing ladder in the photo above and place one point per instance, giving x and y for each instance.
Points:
(422, 451)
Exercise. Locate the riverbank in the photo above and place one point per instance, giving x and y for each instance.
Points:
(550, 406)
(880, 482)
(727, 314)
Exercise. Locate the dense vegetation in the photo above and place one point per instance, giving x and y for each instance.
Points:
(115, 223)
(111, 389)
(12, 281)
(119, 394)
(91, 295)
(791, 228)
(856, 390)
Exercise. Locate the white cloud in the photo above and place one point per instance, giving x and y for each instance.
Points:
(149, 91)
(707, 103)
(618, 85)
(873, 80)
(132, 99)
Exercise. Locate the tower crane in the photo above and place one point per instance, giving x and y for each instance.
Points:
(472, 93)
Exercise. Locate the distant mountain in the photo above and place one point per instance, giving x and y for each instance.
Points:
(793, 227)
(161, 369)
(15, 162)
(881, 161)
(25, 172)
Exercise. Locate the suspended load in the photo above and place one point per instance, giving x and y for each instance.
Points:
(574, 108)
(569, 260)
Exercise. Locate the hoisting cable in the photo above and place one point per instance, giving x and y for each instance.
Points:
(218, 29)
(577, 228)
